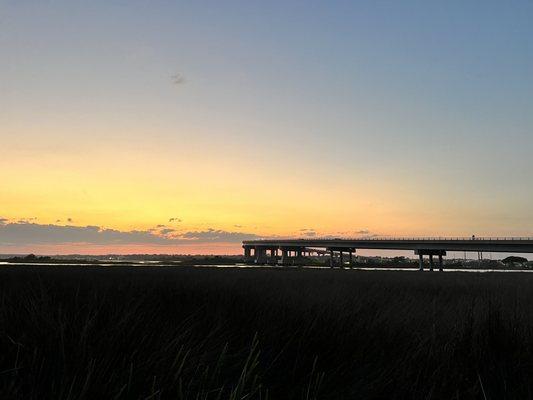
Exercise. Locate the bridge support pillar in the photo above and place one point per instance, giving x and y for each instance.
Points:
(256, 255)
(248, 255)
(260, 255)
(273, 256)
(430, 253)
(299, 259)
(284, 257)
(350, 258)
(331, 260)
(341, 260)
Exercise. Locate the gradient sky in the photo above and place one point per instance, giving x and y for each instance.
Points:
(293, 118)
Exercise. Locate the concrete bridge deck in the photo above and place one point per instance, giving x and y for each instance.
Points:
(421, 246)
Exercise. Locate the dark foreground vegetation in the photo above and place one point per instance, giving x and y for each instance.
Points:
(205, 333)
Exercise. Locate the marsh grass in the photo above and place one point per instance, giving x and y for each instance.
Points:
(207, 333)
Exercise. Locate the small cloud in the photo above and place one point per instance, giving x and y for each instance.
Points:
(237, 226)
(160, 226)
(26, 220)
(69, 220)
(217, 235)
(58, 221)
(3, 221)
(308, 232)
(366, 234)
(174, 219)
(178, 79)
(167, 231)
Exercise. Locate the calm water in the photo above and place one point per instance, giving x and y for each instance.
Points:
(157, 264)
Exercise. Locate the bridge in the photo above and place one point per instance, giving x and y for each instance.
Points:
(292, 251)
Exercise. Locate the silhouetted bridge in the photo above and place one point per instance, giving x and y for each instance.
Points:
(292, 251)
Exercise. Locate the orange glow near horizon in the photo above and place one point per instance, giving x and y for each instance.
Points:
(92, 249)
(131, 190)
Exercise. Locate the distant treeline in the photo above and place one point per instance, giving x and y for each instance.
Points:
(129, 259)
(512, 262)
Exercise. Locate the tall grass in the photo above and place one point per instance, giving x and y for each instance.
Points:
(186, 333)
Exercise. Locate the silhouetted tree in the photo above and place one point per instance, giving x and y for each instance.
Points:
(514, 259)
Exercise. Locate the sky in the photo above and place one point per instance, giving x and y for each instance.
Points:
(186, 126)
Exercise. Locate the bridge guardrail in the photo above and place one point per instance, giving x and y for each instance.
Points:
(482, 238)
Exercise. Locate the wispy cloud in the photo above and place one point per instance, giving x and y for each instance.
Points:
(308, 232)
(217, 235)
(178, 79)
(366, 234)
(26, 220)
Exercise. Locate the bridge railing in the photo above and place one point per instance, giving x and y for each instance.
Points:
(411, 239)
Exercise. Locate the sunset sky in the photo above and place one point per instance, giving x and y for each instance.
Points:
(187, 126)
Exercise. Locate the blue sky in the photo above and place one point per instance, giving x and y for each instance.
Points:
(425, 106)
